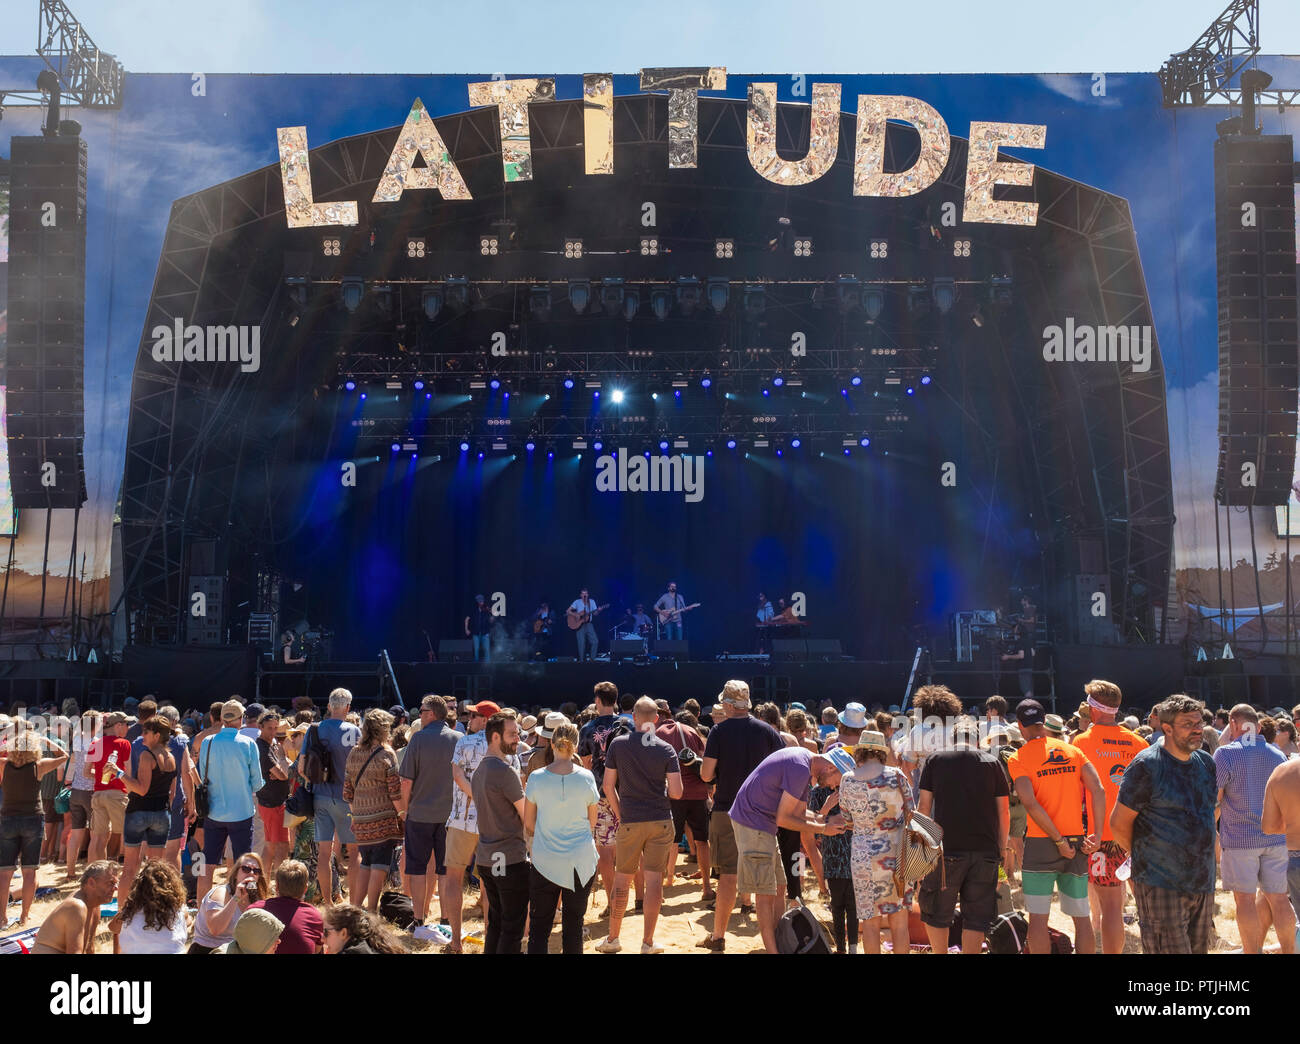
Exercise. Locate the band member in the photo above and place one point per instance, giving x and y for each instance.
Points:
(588, 642)
(287, 641)
(764, 617)
(1023, 653)
(478, 625)
(671, 627)
(543, 631)
(640, 623)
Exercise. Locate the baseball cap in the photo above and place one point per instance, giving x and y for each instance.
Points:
(797, 706)
(113, 718)
(254, 711)
(397, 710)
(841, 759)
(232, 710)
(1030, 712)
(485, 708)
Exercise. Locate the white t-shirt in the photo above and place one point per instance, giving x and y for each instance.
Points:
(136, 938)
(579, 606)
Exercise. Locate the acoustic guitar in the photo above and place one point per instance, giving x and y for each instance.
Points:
(578, 618)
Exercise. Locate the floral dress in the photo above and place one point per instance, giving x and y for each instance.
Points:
(877, 809)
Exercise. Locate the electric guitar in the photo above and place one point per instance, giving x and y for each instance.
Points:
(666, 614)
(577, 618)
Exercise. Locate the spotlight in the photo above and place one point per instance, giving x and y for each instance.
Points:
(568, 384)
(847, 451)
(579, 294)
(706, 381)
(688, 294)
(926, 380)
(573, 248)
(464, 447)
(351, 385)
(724, 248)
(494, 384)
(415, 248)
(649, 246)
(489, 246)
(778, 381)
(331, 247)
(766, 393)
(719, 294)
(363, 395)
(598, 446)
(539, 301)
(945, 294)
(351, 291)
(661, 302)
(663, 446)
(873, 302)
(864, 442)
(731, 444)
(550, 454)
(616, 396)
(397, 446)
(677, 393)
(856, 380)
(795, 443)
(480, 454)
(631, 304)
(654, 396)
(755, 301)
(803, 247)
(428, 395)
(911, 390)
(499, 445)
(880, 249)
(611, 295)
(418, 386)
(431, 302)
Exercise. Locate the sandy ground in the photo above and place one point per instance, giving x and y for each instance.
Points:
(685, 919)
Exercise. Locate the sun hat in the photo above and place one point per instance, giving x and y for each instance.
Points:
(736, 693)
(255, 932)
(854, 716)
(553, 721)
(841, 759)
(527, 724)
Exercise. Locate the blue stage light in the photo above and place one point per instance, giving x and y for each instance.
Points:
(550, 454)
(530, 445)
(480, 454)
(419, 385)
(363, 395)
(428, 395)
(795, 443)
(351, 386)
(677, 393)
(464, 447)
(911, 390)
(709, 453)
(855, 380)
(864, 442)
(777, 382)
(926, 379)
(568, 383)
(397, 447)
(844, 392)
(731, 444)
(663, 445)
(595, 394)
(847, 451)
(779, 453)
(706, 382)
(494, 384)
(766, 393)
(616, 396)
(598, 446)
(505, 395)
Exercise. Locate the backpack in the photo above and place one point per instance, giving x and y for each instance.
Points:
(397, 908)
(314, 763)
(600, 742)
(798, 931)
(1010, 934)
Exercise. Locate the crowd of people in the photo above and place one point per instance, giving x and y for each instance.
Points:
(242, 828)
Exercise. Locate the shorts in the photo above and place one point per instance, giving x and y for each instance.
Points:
(1293, 880)
(972, 878)
(1103, 863)
(79, 809)
(653, 839)
(722, 843)
(1173, 922)
(758, 862)
(606, 825)
(377, 857)
(333, 817)
(694, 814)
(1046, 869)
(107, 811)
(20, 843)
(216, 835)
(146, 828)
(425, 841)
(460, 848)
(1245, 869)
(179, 828)
(274, 832)
(51, 816)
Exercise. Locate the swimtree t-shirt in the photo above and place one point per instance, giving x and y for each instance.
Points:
(788, 771)
(1173, 834)
(643, 762)
(1110, 749)
(1055, 769)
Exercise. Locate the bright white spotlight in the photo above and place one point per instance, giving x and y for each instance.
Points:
(616, 396)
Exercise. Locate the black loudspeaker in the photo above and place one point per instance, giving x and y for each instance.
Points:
(770, 688)
(472, 687)
(455, 650)
(205, 616)
(1259, 356)
(45, 362)
(667, 650)
(824, 649)
(624, 648)
(789, 649)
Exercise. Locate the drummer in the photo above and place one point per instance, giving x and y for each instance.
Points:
(642, 624)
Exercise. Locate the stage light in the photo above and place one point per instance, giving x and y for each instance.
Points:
(778, 381)
(880, 249)
(918, 302)
(363, 395)
(494, 384)
(761, 443)
(945, 294)
(631, 304)
(573, 248)
(331, 247)
(397, 447)
(731, 444)
(431, 302)
(795, 443)
(505, 395)
(844, 392)
(499, 445)
(961, 248)
(724, 248)
(415, 248)
(847, 451)
(663, 446)
(464, 447)
(661, 302)
(766, 392)
(681, 443)
(856, 380)
(849, 293)
(926, 380)
(489, 246)
(755, 301)
(410, 446)
(911, 390)
(456, 292)
(649, 246)
(708, 453)
(864, 442)
(568, 384)
(598, 446)
(393, 385)
(579, 295)
(688, 294)
(873, 302)
(654, 396)
(418, 385)
(595, 395)
(428, 395)
(706, 381)
(539, 302)
(478, 385)
(580, 444)
(350, 292)
(719, 294)
(611, 295)
(803, 247)
(677, 393)
(480, 454)
(616, 396)
(351, 385)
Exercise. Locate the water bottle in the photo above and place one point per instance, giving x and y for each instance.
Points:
(1125, 870)
(110, 770)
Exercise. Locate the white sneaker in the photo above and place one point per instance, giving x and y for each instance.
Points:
(609, 946)
(651, 948)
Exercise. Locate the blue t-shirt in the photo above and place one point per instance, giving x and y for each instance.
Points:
(1173, 835)
(337, 737)
(562, 841)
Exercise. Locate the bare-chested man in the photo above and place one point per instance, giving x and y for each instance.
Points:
(72, 925)
(1282, 816)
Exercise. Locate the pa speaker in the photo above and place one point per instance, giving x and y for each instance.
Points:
(1259, 349)
(824, 649)
(789, 649)
(622, 648)
(667, 650)
(455, 650)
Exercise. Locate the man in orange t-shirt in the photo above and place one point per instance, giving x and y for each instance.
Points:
(1052, 778)
(1110, 748)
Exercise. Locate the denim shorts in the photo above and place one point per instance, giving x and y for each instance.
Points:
(333, 817)
(20, 841)
(378, 857)
(178, 827)
(146, 828)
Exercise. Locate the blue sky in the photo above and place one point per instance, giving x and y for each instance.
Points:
(522, 36)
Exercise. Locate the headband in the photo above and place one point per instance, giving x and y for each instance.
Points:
(1102, 707)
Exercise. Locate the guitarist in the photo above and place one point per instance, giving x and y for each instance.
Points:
(669, 608)
(588, 642)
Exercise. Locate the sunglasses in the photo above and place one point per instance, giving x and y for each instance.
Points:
(250, 869)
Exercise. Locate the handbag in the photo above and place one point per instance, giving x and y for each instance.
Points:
(922, 850)
(301, 803)
(201, 788)
(63, 799)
